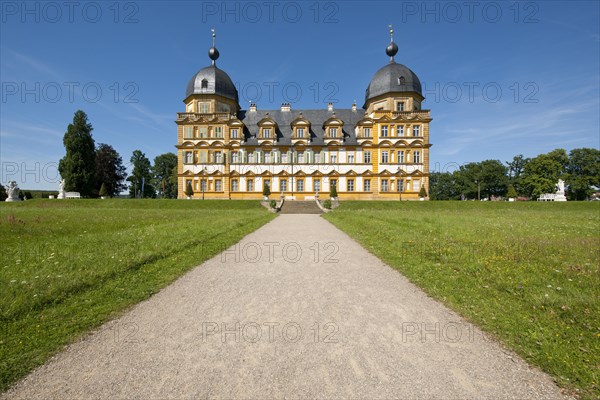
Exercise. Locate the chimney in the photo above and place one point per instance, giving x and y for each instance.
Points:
(252, 107)
(286, 107)
(354, 106)
(329, 106)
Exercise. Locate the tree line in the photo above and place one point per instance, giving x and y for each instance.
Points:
(98, 170)
(522, 177)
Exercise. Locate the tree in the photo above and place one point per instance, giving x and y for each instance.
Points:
(189, 192)
(3, 194)
(583, 172)
(141, 176)
(512, 193)
(78, 166)
(542, 173)
(164, 165)
(333, 192)
(110, 170)
(266, 189)
(442, 186)
(485, 178)
(422, 192)
(103, 191)
(516, 167)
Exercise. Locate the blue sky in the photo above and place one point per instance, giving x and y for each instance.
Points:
(500, 78)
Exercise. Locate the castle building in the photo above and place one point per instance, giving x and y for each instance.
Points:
(379, 152)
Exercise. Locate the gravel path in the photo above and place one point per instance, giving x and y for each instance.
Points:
(297, 309)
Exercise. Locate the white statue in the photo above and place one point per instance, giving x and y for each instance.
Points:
(560, 187)
(12, 190)
(61, 189)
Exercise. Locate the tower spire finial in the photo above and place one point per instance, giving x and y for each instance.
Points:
(392, 48)
(213, 53)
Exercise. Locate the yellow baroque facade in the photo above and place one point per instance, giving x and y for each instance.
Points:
(378, 152)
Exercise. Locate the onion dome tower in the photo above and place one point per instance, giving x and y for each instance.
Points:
(212, 82)
(393, 79)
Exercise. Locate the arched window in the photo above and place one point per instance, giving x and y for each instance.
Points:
(401, 81)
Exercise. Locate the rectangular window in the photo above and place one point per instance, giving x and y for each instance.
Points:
(203, 132)
(284, 158)
(367, 185)
(400, 106)
(416, 157)
(218, 132)
(332, 183)
(268, 157)
(189, 157)
(283, 185)
(235, 157)
(218, 157)
(384, 131)
(401, 185)
(385, 185)
(400, 156)
(250, 158)
(317, 185)
(400, 130)
(301, 158)
(367, 132)
(318, 157)
(384, 157)
(250, 185)
(204, 108)
(203, 185)
(266, 133)
(188, 132)
(333, 158)
(367, 157)
(417, 130)
(300, 185)
(234, 185)
(351, 158)
(300, 132)
(350, 185)
(416, 185)
(333, 132)
(234, 133)
(188, 182)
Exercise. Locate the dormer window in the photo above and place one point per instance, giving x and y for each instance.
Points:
(333, 132)
(400, 106)
(300, 133)
(204, 84)
(267, 133)
(401, 81)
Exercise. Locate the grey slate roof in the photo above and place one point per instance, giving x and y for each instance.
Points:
(218, 82)
(285, 118)
(386, 81)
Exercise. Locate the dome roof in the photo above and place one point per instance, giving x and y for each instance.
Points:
(393, 78)
(212, 80)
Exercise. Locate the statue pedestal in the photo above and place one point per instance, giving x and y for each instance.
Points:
(560, 197)
(61, 195)
(9, 199)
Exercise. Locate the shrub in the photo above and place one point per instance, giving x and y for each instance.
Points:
(188, 189)
(266, 189)
(273, 204)
(327, 204)
(333, 193)
(512, 193)
(422, 192)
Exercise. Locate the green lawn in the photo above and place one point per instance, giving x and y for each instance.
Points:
(69, 265)
(528, 273)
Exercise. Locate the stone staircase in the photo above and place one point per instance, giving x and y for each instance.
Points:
(300, 207)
